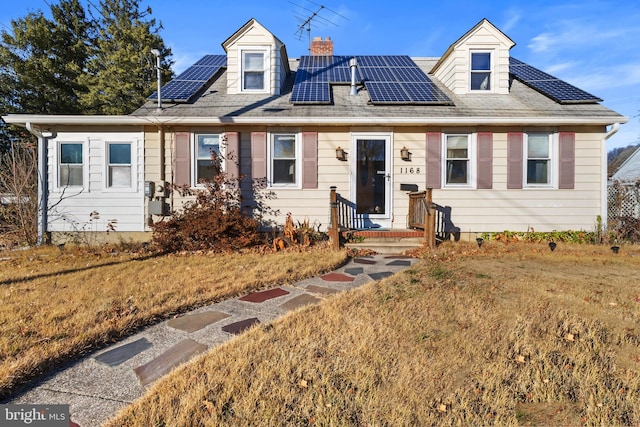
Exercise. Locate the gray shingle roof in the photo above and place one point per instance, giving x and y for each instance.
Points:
(522, 102)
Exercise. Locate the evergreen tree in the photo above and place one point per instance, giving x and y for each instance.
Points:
(120, 72)
(41, 61)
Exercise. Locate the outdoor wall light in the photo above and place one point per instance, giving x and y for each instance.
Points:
(405, 154)
(340, 153)
(552, 246)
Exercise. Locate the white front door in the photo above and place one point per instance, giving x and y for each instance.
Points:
(371, 180)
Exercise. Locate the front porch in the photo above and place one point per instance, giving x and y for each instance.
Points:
(424, 219)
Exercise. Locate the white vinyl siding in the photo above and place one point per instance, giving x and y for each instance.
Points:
(72, 208)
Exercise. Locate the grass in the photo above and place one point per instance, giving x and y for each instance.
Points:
(58, 305)
(508, 334)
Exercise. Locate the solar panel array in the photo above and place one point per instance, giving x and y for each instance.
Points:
(556, 89)
(186, 85)
(388, 79)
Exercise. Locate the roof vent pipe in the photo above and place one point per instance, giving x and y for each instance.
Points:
(156, 53)
(353, 64)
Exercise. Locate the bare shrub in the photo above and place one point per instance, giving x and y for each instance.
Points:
(214, 220)
(19, 191)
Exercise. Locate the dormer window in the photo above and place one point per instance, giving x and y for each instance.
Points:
(480, 70)
(254, 70)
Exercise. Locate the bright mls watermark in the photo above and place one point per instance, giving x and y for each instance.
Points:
(34, 415)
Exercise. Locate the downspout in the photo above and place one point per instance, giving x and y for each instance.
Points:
(604, 193)
(43, 195)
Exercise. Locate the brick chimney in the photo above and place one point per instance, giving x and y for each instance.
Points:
(321, 47)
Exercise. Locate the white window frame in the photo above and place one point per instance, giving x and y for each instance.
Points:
(553, 160)
(491, 71)
(264, 50)
(471, 161)
(133, 166)
(298, 160)
(195, 158)
(58, 162)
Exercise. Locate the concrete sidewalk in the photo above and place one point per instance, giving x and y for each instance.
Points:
(100, 384)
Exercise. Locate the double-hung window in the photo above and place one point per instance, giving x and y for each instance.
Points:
(481, 71)
(119, 166)
(254, 68)
(538, 159)
(458, 160)
(70, 165)
(284, 162)
(208, 161)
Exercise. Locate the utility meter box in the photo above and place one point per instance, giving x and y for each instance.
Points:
(158, 207)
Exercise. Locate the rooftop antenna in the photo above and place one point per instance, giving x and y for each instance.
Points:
(307, 20)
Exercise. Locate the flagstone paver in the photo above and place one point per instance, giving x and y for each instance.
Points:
(299, 301)
(241, 326)
(264, 295)
(354, 271)
(163, 364)
(381, 275)
(400, 263)
(337, 277)
(364, 261)
(123, 353)
(197, 321)
(321, 290)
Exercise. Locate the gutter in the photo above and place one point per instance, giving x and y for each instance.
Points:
(604, 192)
(21, 119)
(43, 195)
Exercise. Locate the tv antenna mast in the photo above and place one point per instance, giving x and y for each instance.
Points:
(307, 21)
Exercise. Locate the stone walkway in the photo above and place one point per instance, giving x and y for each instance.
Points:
(99, 385)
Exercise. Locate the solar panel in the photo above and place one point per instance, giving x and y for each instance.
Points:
(371, 61)
(407, 74)
(186, 85)
(399, 61)
(426, 93)
(213, 60)
(311, 93)
(376, 74)
(388, 79)
(556, 89)
(387, 93)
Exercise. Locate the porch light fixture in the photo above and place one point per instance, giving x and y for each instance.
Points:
(340, 154)
(405, 154)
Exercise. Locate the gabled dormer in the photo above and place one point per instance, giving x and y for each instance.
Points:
(257, 61)
(478, 62)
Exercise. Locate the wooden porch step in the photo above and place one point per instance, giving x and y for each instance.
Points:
(386, 241)
(384, 234)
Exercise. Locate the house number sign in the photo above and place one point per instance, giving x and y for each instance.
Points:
(411, 171)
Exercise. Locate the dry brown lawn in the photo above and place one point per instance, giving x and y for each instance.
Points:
(508, 334)
(58, 305)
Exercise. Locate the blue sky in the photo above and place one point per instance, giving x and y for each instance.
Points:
(591, 44)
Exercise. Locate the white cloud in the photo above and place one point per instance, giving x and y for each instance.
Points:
(608, 78)
(512, 19)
